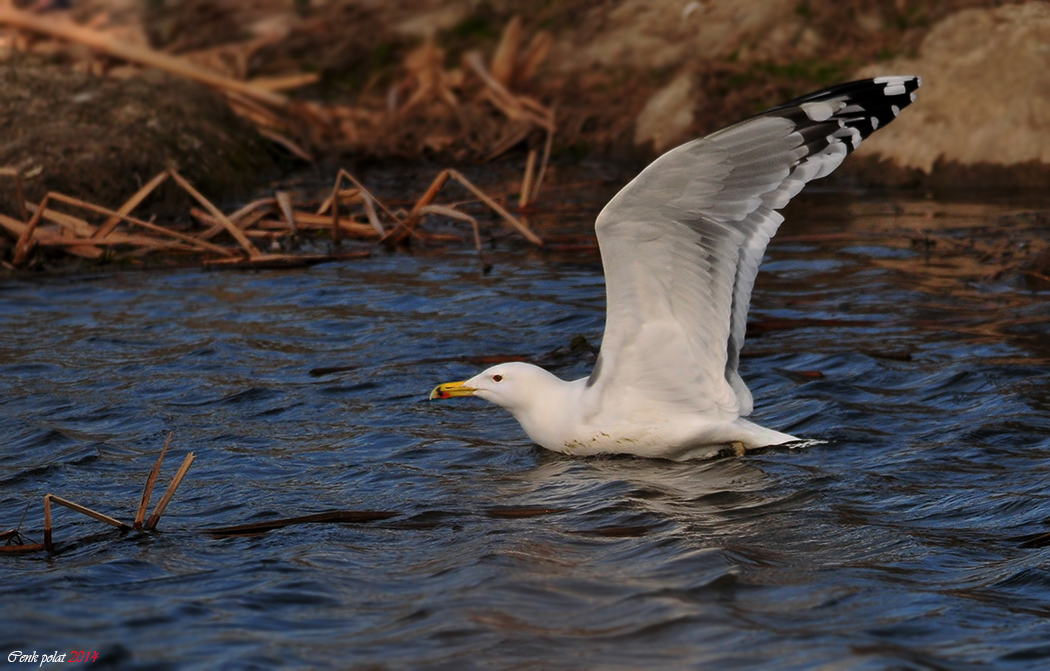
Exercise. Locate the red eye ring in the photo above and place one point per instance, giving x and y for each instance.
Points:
(497, 378)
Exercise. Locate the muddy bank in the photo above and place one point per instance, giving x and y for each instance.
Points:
(101, 138)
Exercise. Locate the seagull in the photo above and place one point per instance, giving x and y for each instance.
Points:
(681, 245)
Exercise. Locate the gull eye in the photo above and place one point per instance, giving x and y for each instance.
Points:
(497, 378)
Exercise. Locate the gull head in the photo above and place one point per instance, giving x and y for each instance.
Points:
(515, 386)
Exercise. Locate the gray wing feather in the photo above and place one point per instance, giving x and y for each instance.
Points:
(683, 241)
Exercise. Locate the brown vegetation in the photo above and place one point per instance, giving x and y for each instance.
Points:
(220, 240)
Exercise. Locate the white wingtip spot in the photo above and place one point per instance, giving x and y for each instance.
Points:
(896, 84)
(818, 111)
(896, 110)
(874, 123)
(913, 96)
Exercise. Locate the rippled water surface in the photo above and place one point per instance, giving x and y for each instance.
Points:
(915, 537)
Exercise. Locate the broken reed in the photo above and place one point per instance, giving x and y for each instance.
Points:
(147, 492)
(353, 213)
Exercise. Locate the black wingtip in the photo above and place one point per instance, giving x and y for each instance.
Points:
(864, 105)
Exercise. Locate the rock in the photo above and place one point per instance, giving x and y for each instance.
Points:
(667, 116)
(639, 34)
(985, 99)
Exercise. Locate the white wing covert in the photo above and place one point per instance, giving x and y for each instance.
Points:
(681, 245)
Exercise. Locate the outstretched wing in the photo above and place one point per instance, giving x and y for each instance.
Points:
(682, 242)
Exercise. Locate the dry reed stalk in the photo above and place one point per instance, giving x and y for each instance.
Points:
(505, 57)
(543, 164)
(22, 547)
(366, 195)
(283, 261)
(47, 523)
(215, 226)
(537, 51)
(497, 208)
(107, 226)
(250, 208)
(243, 218)
(16, 174)
(370, 212)
(151, 523)
(151, 480)
(75, 507)
(25, 240)
(443, 237)
(237, 233)
(405, 228)
(144, 245)
(337, 516)
(285, 82)
(349, 226)
(514, 132)
(275, 226)
(542, 112)
(256, 113)
(346, 197)
(84, 510)
(453, 213)
(287, 143)
(48, 25)
(366, 192)
(270, 235)
(334, 199)
(67, 222)
(284, 203)
(46, 239)
(525, 195)
(199, 244)
(514, 107)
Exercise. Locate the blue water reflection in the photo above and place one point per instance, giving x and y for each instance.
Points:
(903, 541)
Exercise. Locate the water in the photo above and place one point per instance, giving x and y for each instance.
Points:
(910, 539)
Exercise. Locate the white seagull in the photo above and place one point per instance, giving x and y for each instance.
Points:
(681, 245)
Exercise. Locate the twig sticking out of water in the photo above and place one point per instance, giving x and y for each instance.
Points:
(408, 225)
(237, 233)
(151, 480)
(75, 507)
(150, 524)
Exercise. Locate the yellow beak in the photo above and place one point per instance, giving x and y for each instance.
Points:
(451, 389)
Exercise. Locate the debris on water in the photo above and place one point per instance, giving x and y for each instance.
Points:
(332, 517)
(230, 241)
(15, 543)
